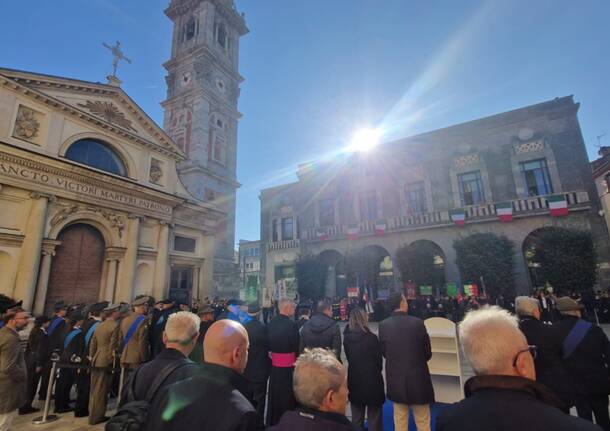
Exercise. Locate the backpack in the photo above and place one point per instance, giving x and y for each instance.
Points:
(133, 415)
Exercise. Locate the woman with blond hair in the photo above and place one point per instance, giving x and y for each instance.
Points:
(364, 378)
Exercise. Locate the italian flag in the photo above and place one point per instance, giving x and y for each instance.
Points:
(380, 227)
(558, 205)
(352, 231)
(505, 211)
(322, 235)
(458, 217)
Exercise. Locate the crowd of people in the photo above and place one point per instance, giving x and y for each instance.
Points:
(227, 365)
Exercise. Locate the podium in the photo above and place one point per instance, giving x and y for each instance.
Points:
(445, 367)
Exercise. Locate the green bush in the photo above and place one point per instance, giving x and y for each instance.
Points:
(311, 276)
(416, 263)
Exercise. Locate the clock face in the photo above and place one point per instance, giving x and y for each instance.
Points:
(185, 78)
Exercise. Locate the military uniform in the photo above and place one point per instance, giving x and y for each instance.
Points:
(101, 350)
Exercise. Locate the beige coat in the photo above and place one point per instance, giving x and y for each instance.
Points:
(137, 349)
(103, 344)
(13, 373)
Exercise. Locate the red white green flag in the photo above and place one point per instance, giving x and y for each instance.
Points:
(322, 235)
(458, 217)
(380, 227)
(558, 205)
(505, 211)
(352, 231)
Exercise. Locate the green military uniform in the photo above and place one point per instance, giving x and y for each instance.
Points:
(137, 349)
(102, 350)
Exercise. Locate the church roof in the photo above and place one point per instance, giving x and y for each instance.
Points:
(106, 105)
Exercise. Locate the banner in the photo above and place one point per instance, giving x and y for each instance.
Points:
(353, 292)
(471, 290)
(452, 290)
(410, 290)
(425, 290)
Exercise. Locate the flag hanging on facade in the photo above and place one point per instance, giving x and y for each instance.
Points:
(471, 290)
(352, 231)
(458, 217)
(322, 235)
(558, 205)
(380, 227)
(452, 290)
(505, 211)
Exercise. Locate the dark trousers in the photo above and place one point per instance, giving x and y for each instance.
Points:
(373, 414)
(44, 381)
(83, 383)
(63, 387)
(588, 406)
(266, 313)
(33, 380)
(259, 395)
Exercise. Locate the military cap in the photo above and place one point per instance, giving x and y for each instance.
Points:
(143, 300)
(97, 307)
(61, 305)
(206, 309)
(41, 320)
(124, 308)
(166, 301)
(112, 307)
(568, 304)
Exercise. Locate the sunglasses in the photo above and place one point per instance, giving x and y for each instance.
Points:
(533, 351)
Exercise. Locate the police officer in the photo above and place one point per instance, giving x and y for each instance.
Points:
(101, 353)
(70, 355)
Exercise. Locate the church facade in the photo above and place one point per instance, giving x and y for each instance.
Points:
(201, 114)
(91, 203)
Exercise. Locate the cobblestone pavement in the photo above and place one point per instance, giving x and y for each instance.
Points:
(67, 421)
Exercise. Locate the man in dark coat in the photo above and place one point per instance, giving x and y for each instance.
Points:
(213, 400)
(550, 370)
(259, 364)
(206, 315)
(284, 344)
(322, 331)
(37, 358)
(586, 353)
(406, 346)
(503, 395)
(163, 309)
(71, 350)
(320, 386)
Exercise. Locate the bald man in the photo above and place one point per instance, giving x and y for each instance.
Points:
(213, 399)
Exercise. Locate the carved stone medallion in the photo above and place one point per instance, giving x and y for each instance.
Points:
(109, 112)
(156, 172)
(27, 124)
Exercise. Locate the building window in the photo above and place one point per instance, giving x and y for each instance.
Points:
(536, 176)
(284, 272)
(221, 35)
(368, 205)
(287, 229)
(96, 154)
(182, 243)
(181, 284)
(326, 212)
(274, 230)
(416, 197)
(219, 149)
(471, 188)
(190, 29)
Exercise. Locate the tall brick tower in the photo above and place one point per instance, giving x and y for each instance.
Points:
(201, 110)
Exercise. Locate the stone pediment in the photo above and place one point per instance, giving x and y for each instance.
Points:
(103, 104)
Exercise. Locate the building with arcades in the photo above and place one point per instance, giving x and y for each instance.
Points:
(411, 192)
(201, 114)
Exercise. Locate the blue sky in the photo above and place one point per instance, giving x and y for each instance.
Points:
(317, 70)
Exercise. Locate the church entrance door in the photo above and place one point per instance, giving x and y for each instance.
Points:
(76, 272)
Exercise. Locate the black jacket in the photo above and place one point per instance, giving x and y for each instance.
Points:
(312, 420)
(589, 365)
(406, 346)
(508, 403)
(365, 365)
(550, 369)
(37, 352)
(259, 363)
(146, 373)
(321, 331)
(213, 400)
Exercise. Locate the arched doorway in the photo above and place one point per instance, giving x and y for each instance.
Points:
(76, 271)
(336, 283)
(422, 263)
(371, 269)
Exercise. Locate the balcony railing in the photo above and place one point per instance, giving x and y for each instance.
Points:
(283, 245)
(485, 212)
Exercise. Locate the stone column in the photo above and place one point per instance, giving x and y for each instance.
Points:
(196, 294)
(48, 251)
(111, 279)
(29, 258)
(127, 274)
(162, 262)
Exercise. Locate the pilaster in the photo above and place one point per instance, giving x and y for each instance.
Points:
(127, 273)
(162, 261)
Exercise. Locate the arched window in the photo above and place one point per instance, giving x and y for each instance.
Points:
(96, 154)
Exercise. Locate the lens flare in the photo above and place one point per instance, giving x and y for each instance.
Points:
(364, 140)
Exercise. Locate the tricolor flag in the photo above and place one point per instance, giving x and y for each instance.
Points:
(380, 227)
(458, 217)
(505, 211)
(352, 231)
(322, 235)
(558, 205)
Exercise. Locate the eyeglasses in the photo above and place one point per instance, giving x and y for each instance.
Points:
(533, 351)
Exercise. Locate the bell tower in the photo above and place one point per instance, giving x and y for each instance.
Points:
(201, 112)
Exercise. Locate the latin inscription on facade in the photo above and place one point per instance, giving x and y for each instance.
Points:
(72, 185)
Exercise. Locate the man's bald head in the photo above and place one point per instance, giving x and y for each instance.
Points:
(226, 343)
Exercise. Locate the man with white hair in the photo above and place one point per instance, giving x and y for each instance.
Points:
(320, 387)
(180, 336)
(550, 370)
(503, 395)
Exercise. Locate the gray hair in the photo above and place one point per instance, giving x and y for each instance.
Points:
(525, 306)
(316, 372)
(181, 327)
(490, 338)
